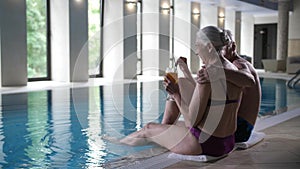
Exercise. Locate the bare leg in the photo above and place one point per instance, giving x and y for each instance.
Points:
(171, 113)
(178, 139)
(135, 139)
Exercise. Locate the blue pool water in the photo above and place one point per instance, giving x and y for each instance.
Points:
(62, 128)
(277, 97)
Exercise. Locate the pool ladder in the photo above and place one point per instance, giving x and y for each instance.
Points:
(294, 80)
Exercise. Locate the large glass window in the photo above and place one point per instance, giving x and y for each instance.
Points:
(37, 39)
(94, 19)
(139, 38)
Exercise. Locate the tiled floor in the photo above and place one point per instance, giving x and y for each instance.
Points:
(280, 149)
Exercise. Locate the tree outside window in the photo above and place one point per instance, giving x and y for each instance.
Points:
(94, 36)
(37, 38)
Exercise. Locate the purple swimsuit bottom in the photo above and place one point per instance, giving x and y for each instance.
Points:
(214, 146)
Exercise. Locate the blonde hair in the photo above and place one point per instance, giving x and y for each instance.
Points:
(214, 35)
(230, 35)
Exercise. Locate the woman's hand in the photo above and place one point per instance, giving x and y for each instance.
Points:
(202, 76)
(182, 63)
(210, 74)
(171, 87)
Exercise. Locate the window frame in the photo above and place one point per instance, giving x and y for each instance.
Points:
(48, 44)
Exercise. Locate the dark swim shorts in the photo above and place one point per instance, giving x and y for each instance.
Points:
(243, 131)
(214, 146)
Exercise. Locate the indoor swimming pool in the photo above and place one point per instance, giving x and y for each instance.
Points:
(63, 127)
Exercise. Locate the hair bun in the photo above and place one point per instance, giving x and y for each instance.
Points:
(224, 37)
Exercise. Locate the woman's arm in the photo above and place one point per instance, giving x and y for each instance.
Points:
(193, 108)
(181, 62)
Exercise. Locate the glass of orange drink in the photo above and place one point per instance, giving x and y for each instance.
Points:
(172, 75)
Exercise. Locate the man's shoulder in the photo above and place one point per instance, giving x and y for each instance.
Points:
(240, 63)
(239, 59)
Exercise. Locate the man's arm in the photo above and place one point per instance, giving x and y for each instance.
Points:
(241, 77)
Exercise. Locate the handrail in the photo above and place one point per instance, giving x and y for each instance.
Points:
(293, 81)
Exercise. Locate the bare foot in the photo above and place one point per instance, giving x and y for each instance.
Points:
(110, 139)
(133, 141)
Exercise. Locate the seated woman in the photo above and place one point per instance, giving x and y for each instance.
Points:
(209, 113)
(243, 78)
(248, 79)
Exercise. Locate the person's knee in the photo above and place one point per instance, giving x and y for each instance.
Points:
(146, 130)
(149, 126)
(168, 120)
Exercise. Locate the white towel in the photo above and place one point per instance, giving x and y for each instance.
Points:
(255, 138)
(199, 158)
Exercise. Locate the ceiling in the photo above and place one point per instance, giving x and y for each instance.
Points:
(254, 7)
